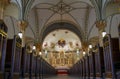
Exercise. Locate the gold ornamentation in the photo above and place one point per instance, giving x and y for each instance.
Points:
(101, 24)
(84, 46)
(38, 46)
(61, 42)
(23, 25)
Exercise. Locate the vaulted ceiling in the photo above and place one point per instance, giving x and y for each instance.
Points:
(77, 16)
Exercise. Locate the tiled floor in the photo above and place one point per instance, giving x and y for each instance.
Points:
(62, 77)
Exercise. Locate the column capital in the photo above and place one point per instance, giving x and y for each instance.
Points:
(101, 24)
(38, 46)
(22, 25)
(85, 46)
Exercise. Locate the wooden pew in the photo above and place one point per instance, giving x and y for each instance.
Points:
(34, 64)
(92, 64)
(87, 66)
(99, 61)
(118, 73)
(13, 57)
(38, 67)
(119, 35)
(25, 62)
(81, 68)
(84, 67)
(111, 56)
(3, 43)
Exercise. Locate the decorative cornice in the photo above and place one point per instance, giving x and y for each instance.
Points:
(24, 8)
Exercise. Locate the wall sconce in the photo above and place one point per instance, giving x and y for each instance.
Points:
(84, 53)
(20, 34)
(40, 53)
(46, 51)
(90, 46)
(103, 34)
(34, 47)
(77, 51)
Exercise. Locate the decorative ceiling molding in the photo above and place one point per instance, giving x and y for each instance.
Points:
(100, 6)
(86, 21)
(36, 25)
(24, 8)
(61, 8)
(112, 8)
(65, 21)
(80, 2)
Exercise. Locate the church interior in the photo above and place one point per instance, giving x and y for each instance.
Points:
(59, 39)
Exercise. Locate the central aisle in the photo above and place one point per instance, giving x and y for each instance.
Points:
(62, 77)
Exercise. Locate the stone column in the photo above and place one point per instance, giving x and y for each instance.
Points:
(84, 47)
(23, 25)
(38, 48)
(101, 27)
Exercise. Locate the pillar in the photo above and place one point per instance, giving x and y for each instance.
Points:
(85, 47)
(23, 25)
(101, 27)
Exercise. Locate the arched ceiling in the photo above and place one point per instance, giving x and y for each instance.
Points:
(75, 16)
(74, 12)
(81, 13)
(41, 13)
(62, 25)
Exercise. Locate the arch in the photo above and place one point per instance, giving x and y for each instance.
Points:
(112, 9)
(62, 25)
(12, 10)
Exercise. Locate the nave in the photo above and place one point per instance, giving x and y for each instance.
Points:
(40, 39)
(63, 77)
(19, 62)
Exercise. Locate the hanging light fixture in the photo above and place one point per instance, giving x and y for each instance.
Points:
(34, 47)
(20, 34)
(90, 46)
(84, 53)
(103, 34)
(40, 53)
(77, 51)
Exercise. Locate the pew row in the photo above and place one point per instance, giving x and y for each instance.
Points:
(92, 64)
(13, 58)
(111, 57)
(3, 43)
(87, 67)
(99, 62)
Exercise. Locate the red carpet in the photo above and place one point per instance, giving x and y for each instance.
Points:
(62, 72)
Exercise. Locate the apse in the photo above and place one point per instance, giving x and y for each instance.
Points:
(61, 48)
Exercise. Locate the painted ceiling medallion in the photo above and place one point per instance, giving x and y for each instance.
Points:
(61, 8)
(61, 42)
(54, 34)
(66, 32)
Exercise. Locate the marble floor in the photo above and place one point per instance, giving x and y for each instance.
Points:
(62, 77)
